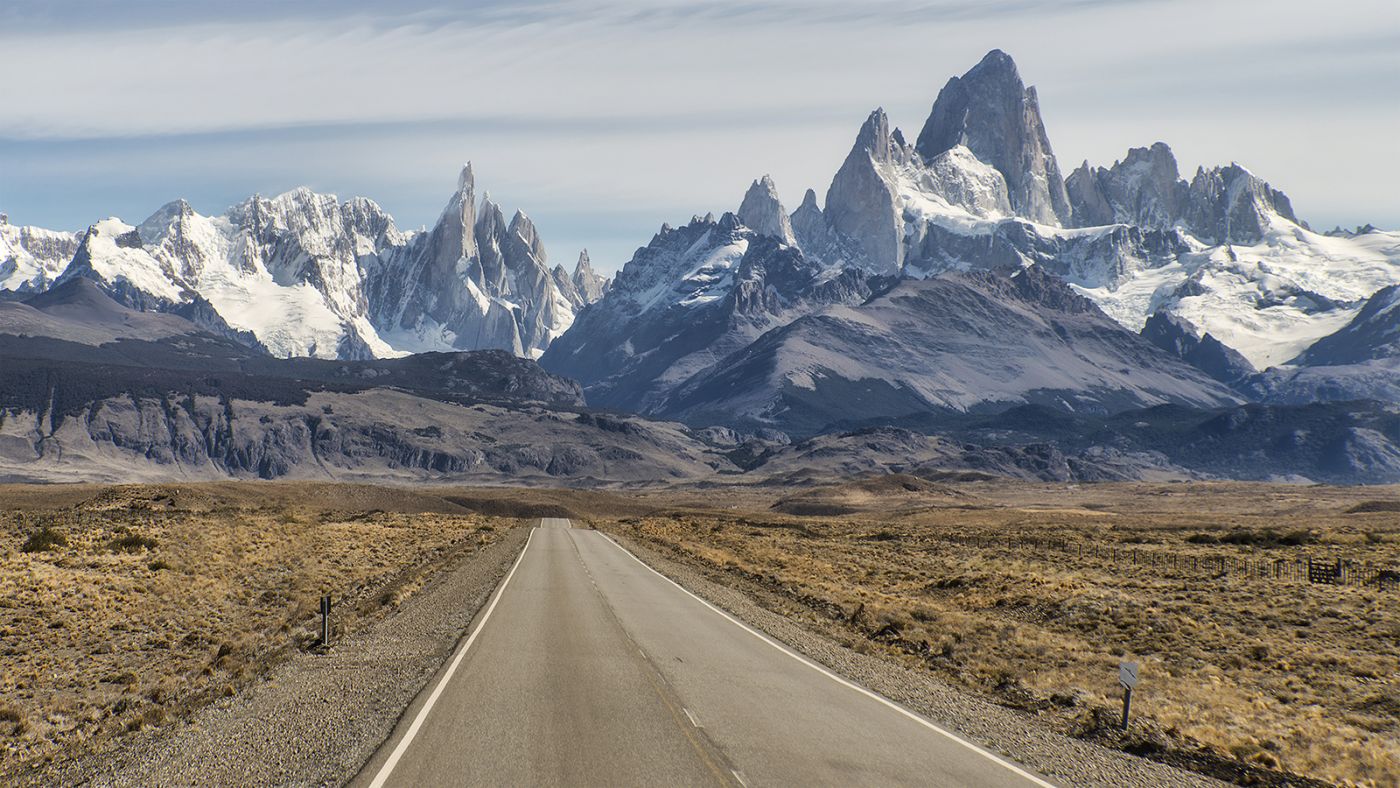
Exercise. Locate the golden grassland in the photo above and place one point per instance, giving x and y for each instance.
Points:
(1247, 678)
(127, 607)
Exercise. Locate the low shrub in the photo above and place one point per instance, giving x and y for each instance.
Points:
(132, 543)
(44, 539)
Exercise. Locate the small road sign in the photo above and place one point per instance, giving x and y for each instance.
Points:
(1128, 677)
(1128, 674)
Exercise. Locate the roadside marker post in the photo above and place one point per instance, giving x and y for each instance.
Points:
(1128, 678)
(325, 621)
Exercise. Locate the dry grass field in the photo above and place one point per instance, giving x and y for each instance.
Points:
(1247, 678)
(125, 607)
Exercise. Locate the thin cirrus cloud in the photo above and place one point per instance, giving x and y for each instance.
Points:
(604, 119)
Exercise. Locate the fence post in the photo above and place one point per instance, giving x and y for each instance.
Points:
(325, 621)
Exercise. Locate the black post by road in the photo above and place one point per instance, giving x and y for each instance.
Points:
(1127, 704)
(325, 621)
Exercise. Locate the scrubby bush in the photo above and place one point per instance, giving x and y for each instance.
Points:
(44, 539)
(132, 543)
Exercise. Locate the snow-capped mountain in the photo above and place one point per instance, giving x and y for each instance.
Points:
(692, 296)
(981, 189)
(1237, 281)
(305, 274)
(31, 258)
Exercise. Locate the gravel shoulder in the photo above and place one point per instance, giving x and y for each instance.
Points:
(1001, 730)
(317, 718)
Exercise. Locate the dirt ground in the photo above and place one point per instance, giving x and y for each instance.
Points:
(125, 607)
(1033, 594)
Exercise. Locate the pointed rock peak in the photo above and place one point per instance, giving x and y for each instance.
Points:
(708, 218)
(762, 212)
(809, 201)
(996, 64)
(729, 222)
(991, 112)
(466, 180)
(583, 264)
(521, 223)
(874, 136)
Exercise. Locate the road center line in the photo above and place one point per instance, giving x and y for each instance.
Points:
(388, 767)
(839, 680)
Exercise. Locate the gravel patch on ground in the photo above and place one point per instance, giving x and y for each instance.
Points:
(317, 718)
(998, 729)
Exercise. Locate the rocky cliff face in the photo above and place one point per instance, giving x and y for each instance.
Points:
(1219, 205)
(762, 212)
(344, 436)
(475, 281)
(1144, 189)
(991, 112)
(588, 285)
(862, 205)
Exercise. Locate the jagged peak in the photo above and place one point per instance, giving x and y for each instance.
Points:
(874, 136)
(302, 194)
(996, 59)
(763, 212)
(165, 217)
(522, 222)
(991, 111)
(729, 222)
(809, 201)
(490, 220)
(466, 179)
(583, 263)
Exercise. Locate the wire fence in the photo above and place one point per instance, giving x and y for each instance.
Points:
(1331, 570)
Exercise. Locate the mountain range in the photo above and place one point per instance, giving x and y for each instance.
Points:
(947, 287)
(304, 274)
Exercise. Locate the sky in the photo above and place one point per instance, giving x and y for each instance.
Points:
(603, 119)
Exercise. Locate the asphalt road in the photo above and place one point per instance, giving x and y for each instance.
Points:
(588, 668)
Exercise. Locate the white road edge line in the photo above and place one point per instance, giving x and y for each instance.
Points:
(691, 715)
(825, 672)
(388, 767)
